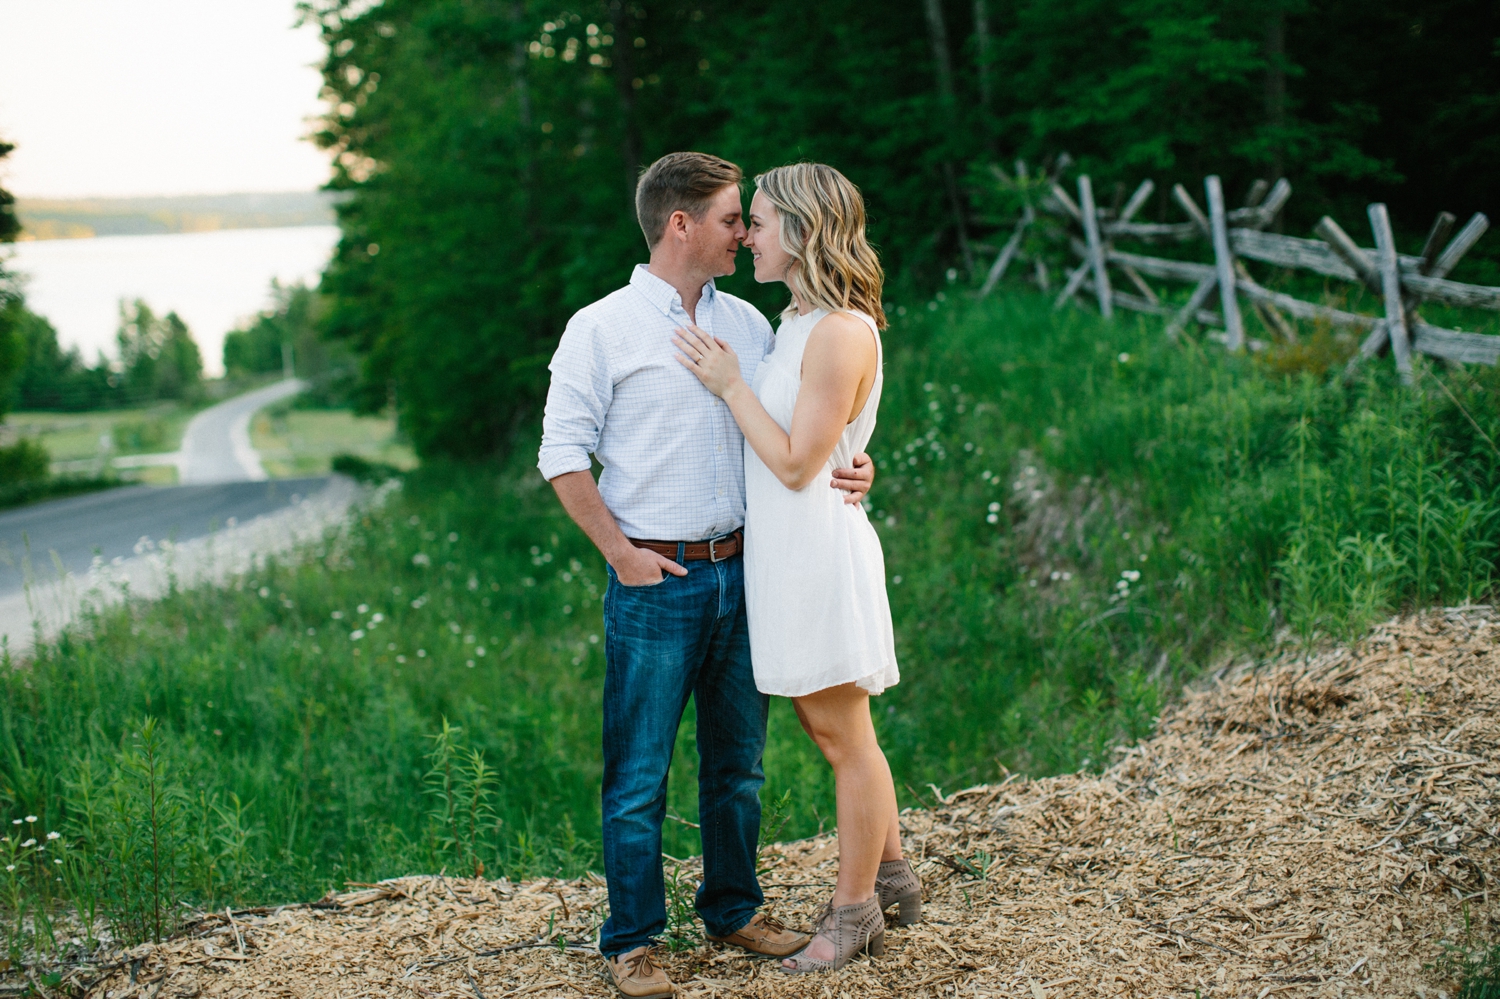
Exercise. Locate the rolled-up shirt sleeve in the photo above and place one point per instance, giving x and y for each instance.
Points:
(577, 400)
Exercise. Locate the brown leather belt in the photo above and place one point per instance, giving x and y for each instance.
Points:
(714, 550)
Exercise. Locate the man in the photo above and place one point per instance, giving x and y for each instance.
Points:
(666, 514)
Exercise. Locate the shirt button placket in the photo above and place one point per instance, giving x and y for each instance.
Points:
(706, 323)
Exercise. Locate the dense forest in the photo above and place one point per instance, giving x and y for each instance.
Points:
(491, 146)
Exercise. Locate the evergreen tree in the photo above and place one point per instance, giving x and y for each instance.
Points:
(51, 378)
(158, 357)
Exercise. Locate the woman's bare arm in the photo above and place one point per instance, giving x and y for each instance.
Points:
(840, 357)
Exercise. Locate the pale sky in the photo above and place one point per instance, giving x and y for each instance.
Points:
(121, 98)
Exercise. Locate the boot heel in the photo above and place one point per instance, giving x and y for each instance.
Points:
(896, 884)
(911, 909)
(875, 947)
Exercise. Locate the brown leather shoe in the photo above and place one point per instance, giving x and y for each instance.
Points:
(636, 974)
(765, 935)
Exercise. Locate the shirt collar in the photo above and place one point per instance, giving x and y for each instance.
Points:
(661, 294)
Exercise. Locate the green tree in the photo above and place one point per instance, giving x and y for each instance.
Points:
(290, 330)
(52, 378)
(158, 357)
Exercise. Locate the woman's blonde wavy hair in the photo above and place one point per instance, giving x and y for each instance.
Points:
(823, 229)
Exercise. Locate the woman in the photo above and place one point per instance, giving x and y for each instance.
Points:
(820, 624)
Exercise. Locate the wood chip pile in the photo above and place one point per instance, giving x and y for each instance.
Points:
(1305, 828)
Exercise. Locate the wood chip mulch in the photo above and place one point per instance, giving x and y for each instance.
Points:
(1301, 828)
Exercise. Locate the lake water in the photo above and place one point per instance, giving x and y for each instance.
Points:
(213, 280)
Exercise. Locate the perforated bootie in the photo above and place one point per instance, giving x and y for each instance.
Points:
(851, 929)
(898, 883)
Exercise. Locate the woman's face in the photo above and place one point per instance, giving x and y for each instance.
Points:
(764, 241)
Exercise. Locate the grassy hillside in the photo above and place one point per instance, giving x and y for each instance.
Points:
(1077, 517)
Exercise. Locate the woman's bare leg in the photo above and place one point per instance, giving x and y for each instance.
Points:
(892, 848)
(838, 720)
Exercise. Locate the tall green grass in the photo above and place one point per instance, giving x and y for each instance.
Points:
(1077, 517)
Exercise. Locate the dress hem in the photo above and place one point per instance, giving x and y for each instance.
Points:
(868, 683)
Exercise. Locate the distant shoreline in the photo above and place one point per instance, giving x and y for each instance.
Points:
(85, 218)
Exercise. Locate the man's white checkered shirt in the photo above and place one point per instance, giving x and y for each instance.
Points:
(673, 457)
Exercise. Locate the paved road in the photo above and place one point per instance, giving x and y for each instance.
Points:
(216, 445)
(225, 495)
(111, 524)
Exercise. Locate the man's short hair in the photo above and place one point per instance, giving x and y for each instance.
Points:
(685, 182)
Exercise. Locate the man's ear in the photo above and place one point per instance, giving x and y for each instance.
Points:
(677, 224)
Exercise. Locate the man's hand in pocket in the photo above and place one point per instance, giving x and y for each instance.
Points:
(641, 567)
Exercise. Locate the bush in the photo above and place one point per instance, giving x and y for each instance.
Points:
(24, 462)
(364, 470)
(26, 476)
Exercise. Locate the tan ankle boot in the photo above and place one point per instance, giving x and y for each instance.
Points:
(636, 974)
(897, 882)
(851, 929)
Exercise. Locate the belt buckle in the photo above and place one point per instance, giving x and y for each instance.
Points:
(713, 553)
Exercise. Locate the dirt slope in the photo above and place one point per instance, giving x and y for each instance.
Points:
(1304, 829)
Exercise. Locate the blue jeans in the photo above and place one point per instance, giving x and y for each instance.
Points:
(684, 636)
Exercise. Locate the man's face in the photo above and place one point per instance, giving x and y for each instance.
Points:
(716, 240)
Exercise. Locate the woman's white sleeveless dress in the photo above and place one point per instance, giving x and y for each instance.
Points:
(814, 571)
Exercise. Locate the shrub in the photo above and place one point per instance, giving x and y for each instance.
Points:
(25, 461)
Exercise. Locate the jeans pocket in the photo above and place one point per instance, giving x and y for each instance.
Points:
(615, 578)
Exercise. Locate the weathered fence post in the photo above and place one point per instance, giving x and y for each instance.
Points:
(1008, 252)
(1195, 302)
(1340, 243)
(1390, 280)
(1137, 200)
(1467, 237)
(1234, 326)
(1096, 252)
(1442, 228)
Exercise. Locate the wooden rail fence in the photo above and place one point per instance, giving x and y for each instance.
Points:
(1403, 282)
